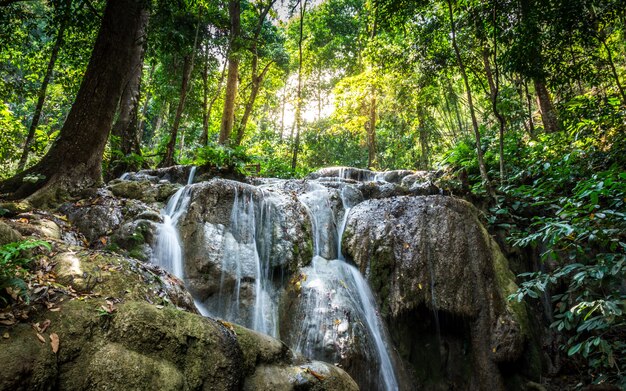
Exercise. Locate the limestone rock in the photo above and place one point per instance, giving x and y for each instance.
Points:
(8, 234)
(433, 252)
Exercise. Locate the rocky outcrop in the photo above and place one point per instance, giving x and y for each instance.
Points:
(100, 321)
(219, 230)
(431, 257)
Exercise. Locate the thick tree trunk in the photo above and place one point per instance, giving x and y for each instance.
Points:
(74, 161)
(548, 115)
(228, 115)
(371, 134)
(168, 159)
(41, 96)
(461, 64)
(125, 139)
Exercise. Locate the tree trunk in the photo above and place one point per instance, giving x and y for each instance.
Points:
(620, 88)
(41, 96)
(228, 115)
(207, 107)
(126, 140)
(493, 94)
(423, 135)
(146, 104)
(298, 119)
(256, 86)
(168, 159)
(479, 152)
(548, 115)
(371, 133)
(74, 161)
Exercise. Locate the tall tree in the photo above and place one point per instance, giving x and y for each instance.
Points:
(74, 161)
(470, 102)
(228, 115)
(41, 95)
(299, 100)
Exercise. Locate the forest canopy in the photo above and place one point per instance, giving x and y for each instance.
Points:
(520, 103)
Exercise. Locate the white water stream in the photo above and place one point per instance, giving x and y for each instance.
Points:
(246, 292)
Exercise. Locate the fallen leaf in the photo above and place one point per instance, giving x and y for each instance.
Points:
(55, 309)
(44, 326)
(41, 338)
(103, 240)
(54, 342)
(7, 322)
(318, 376)
(5, 335)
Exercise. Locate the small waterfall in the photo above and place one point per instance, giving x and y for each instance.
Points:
(168, 252)
(246, 294)
(334, 284)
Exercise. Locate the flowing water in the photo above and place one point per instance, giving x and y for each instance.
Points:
(168, 251)
(337, 307)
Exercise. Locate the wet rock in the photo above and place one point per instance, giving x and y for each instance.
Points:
(434, 252)
(174, 174)
(143, 190)
(208, 228)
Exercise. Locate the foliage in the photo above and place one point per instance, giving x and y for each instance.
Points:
(14, 257)
(224, 157)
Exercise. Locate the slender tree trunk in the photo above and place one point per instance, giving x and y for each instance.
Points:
(529, 103)
(548, 115)
(228, 115)
(74, 161)
(207, 108)
(371, 133)
(479, 152)
(146, 103)
(168, 159)
(188, 61)
(254, 91)
(41, 96)
(256, 79)
(423, 136)
(493, 94)
(609, 54)
(298, 122)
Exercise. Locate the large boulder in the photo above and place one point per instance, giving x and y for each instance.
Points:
(101, 321)
(434, 266)
(224, 263)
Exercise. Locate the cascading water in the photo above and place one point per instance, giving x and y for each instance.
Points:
(168, 253)
(246, 295)
(337, 314)
(333, 284)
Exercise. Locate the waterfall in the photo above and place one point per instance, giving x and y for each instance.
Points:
(334, 283)
(246, 294)
(168, 252)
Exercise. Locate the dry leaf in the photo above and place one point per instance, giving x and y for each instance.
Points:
(54, 342)
(55, 309)
(318, 376)
(41, 338)
(7, 322)
(5, 335)
(44, 326)
(103, 240)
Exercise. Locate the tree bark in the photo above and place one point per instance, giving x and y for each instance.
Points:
(494, 90)
(228, 115)
(298, 119)
(41, 96)
(371, 133)
(126, 140)
(461, 64)
(168, 159)
(548, 115)
(74, 161)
